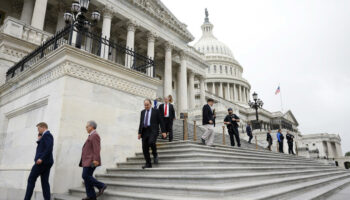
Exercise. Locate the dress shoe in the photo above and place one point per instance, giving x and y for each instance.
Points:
(147, 166)
(203, 141)
(101, 191)
(88, 198)
(155, 160)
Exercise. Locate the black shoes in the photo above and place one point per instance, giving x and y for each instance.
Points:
(101, 191)
(155, 160)
(203, 141)
(147, 165)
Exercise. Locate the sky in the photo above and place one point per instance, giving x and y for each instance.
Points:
(303, 46)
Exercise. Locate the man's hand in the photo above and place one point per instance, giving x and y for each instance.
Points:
(96, 163)
(233, 119)
(39, 161)
(164, 135)
(139, 136)
(210, 121)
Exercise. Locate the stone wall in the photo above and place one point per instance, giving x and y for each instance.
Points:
(67, 89)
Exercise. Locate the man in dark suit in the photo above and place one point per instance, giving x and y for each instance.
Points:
(167, 113)
(232, 127)
(208, 123)
(290, 140)
(90, 159)
(249, 132)
(150, 121)
(43, 162)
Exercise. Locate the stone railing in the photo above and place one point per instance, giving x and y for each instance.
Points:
(21, 30)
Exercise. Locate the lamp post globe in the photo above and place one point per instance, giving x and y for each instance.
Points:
(255, 96)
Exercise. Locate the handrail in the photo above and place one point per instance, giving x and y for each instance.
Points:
(88, 41)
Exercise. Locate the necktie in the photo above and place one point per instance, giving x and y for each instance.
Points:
(166, 109)
(146, 119)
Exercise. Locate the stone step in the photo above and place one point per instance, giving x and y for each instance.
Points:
(182, 144)
(212, 170)
(203, 156)
(205, 179)
(214, 190)
(324, 191)
(212, 163)
(164, 153)
(305, 190)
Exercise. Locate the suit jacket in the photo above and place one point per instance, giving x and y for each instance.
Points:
(91, 150)
(171, 111)
(249, 130)
(44, 149)
(155, 121)
(207, 114)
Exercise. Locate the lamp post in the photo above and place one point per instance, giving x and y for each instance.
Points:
(256, 105)
(78, 19)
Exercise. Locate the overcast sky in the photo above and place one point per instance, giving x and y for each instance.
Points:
(303, 45)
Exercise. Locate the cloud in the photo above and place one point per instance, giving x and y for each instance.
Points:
(303, 45)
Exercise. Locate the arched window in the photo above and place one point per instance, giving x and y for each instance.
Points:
(208, 69)
(214, 68)
(226, 70)
(231, 70)
(220, 69)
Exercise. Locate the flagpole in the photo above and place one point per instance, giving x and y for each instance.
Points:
(281, 98)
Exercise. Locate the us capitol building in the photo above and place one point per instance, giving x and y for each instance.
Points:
(144, 52)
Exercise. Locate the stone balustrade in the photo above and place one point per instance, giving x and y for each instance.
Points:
(21, 30)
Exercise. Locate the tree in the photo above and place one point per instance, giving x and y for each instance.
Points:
(347, 153)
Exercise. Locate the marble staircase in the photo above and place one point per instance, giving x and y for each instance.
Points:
(189, 170)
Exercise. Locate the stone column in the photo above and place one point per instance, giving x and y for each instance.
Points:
(182, 84)
(167, 70)
(39, 12)
(202, 90)
(60, 12)
(239, 93)
(330, 150)
(213, 88)
(130, 42)
(106, 31)
(228, 92)
(221, 90)
(150, 51)
(234, 92)
(248, 95)
(27, 11)
(191, 97)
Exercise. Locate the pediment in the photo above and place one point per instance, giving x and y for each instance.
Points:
(290, 117)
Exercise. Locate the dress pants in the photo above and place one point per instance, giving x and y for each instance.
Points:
(269, 145)
(42, 170)
(233, 131)
(91, 182)
(149, 140)
(280, 145)
(290, 148)
(169, 127)
(209, 134)
(250, 135)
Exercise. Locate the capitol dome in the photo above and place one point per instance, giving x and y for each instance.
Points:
(224, 73)
(208, 44)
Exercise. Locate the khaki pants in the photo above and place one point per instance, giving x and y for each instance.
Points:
(209, 135)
